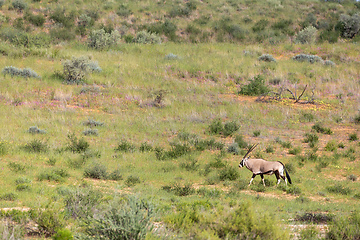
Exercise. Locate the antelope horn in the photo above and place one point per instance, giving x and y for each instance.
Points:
(251, 149)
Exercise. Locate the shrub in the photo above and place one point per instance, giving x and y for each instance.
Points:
(230, 128)
(91, 132)
(57, 175)
(320, 129)
(123, 11)
(229, 173)
(234, 148)
(339, 189)
(145, 147)
(19, 5)
(307, 117)
(255, 87)
(81, 202)
(267, 58)
(76, 69)
(308, 58)
(61, 34)
(132, 181)
(180, 190)
(35, 146)
(306, 36)
(63, 234)
(190, 166)
(293, 190)
(357, 119)
(24, 39)
(25, 73)
(331, 146)
(352, 177)
(239, 139)
(126, 219)
(216, 126)
(60, 16)
(260, 25)
(77, 145)
(311, 138)
(99, 39)
(93, 123)
(315, 218)
(8, 197)
(145, 37)
(49, 220)
(96, 171)
(37, 20)
(115, 175)
(345, 228)
(353, 137)
(350, 25)
(16, 167)
(295, 151)
(125, 146)
(36, 130)
(329, 63)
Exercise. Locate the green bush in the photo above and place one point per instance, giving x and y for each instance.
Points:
(132, 181)
(48, 219)
(320, 129)
(61, 34)
(339, 189)
(63, 234)
(16, 167)
(82, 202)
(260, 25)
(59, 15)
(256, 87)
(37, 20)
(308, 58)
(99, 39)
(350, 25)
(179, 189)
(96, 170)
(3, 148)
(57, 175)
(8, 197)
(123, 11)
(233, 148)
(306, 36)
(311, 138)
(77, 145)
(230, 128)
(229, 173)
(353, 137)
(131, 218)
(19, 5)
(239, 139)
(145, 37)
(76, 69)
(115, 175)
(267, 58)
(25, 73)
(145, 147)
(345, 228)
(36, 146)
(125, 146)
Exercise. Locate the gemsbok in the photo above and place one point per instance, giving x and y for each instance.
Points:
(261, 167)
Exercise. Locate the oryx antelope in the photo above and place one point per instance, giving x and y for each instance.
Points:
(261, 167)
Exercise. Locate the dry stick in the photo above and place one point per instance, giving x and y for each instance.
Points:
(298, 99)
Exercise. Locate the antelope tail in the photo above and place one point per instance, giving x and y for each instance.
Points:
(287, 174)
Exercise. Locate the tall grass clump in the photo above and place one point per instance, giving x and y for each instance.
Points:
(36, 146)
(320, 129)
(255, 87)
(77, 145)
(129, 218)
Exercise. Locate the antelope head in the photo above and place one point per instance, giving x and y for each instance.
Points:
(246, 156)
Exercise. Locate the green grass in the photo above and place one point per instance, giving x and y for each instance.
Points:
(199, 87)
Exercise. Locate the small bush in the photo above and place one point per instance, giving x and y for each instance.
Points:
(345, 228)
(267, 58)
(8, 197)
(145, 147)
(269, 149)
(115, 175)
(131, 218)
(320, 129)
(59, 15)
(76, 69)
(36, 146)
(295, 151)
(81, 202)
(19, 5)
(311, 138)
(57, 175)
(315, 218)
(125, 146)
(350, 25)
(77, 145)
(216, 126)
(37, 20)
(256, 87)
(180, 190)
(96, 171)
(229, 173)
(306, 36)
(230, 128)
(352, 177)
(307, 117)
(63, 234)
(145, 37)
(331, 146)
(16, 167)
(25, 73)
(91, 132)
(293, 190)
(171, 56)
(339, 189)
(234, 148)
(36, 130)
(353, 137)
(49, 220)
(99, 39)
(190, 166)
(132, 181)
(3, 148)
(329, 63)
(239, 139)
(93, 123)
(308, 58)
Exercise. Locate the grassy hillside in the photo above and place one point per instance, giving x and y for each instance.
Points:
(103, 136)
